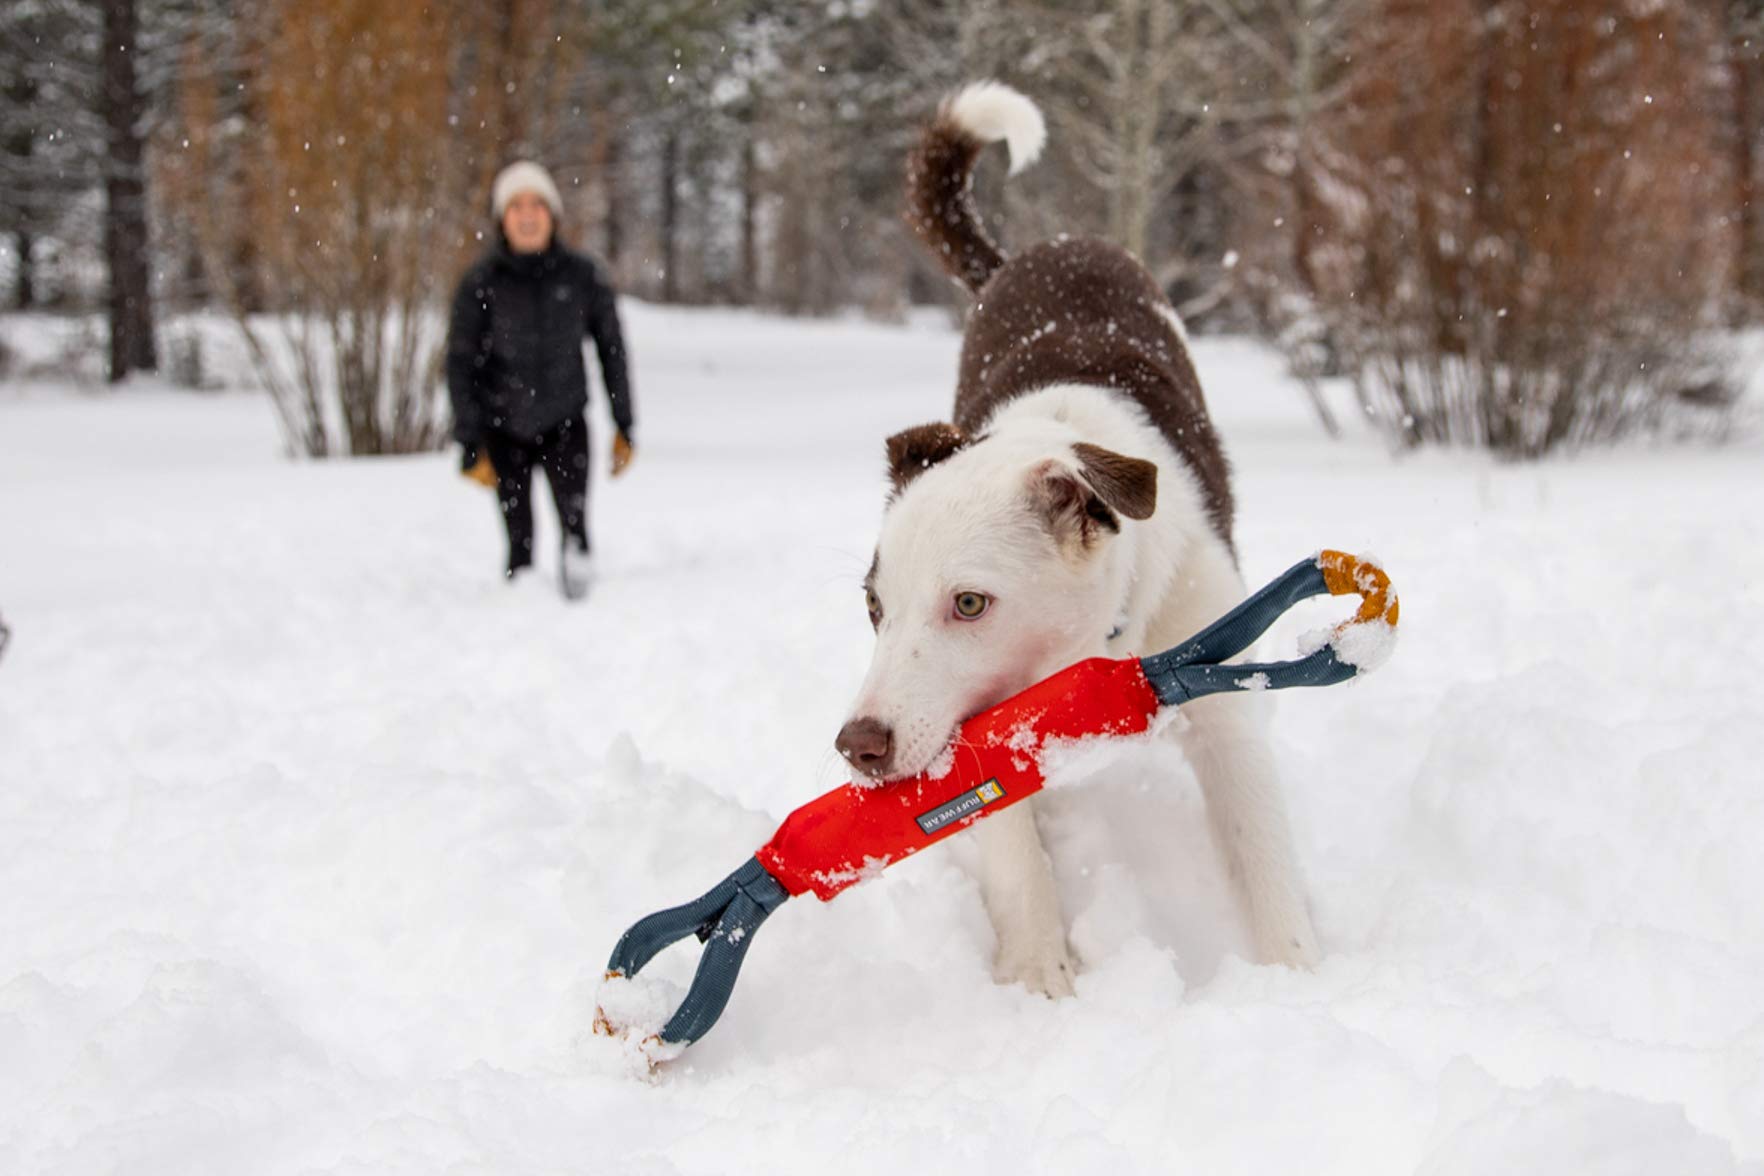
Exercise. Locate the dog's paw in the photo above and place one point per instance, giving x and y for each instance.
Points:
(1046, 971)
(1295, 946)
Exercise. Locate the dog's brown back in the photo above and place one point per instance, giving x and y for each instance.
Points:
(1082, 311)
(1075, 310)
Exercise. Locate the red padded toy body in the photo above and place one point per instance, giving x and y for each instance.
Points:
(832, 842)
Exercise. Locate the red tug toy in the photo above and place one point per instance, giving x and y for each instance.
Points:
(854, 831)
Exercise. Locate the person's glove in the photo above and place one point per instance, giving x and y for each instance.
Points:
(622, 453)
(474, 463)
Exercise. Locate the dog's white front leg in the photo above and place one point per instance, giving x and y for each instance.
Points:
(1225, 742)
(1016, 880)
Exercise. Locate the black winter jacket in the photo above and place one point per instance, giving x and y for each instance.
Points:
(514, 345)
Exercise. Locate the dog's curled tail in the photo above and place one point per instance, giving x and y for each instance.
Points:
(940, 202)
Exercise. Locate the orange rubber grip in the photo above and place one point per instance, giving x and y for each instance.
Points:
(1350, 575)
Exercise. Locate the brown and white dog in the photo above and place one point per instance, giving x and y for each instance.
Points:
(1078, 505)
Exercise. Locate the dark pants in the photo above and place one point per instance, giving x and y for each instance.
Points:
(563, 454)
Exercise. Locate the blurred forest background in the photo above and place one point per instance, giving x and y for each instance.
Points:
(1515, 224)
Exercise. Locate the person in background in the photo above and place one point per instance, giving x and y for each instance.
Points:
(516, 375)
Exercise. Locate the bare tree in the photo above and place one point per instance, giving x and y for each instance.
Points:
(130, 300)
(358, 198)
(1276, 72)
(1130, 56)
(1518, 282)
(1745, 59)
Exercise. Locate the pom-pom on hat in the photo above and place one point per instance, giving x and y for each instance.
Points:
(524, 176)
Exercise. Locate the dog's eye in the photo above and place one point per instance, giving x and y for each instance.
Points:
(969, 605)
(874, 605)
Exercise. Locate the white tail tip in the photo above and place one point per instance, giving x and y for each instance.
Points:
(991, 111)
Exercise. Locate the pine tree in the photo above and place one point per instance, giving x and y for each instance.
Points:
(50, 137)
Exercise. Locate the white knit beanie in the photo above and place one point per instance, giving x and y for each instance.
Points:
(524, 176)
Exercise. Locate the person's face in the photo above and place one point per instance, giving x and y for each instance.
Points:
(526, 222)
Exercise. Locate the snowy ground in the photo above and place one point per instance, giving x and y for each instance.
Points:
(314, 837)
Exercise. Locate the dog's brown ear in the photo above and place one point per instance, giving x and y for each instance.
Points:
(1068, 504)
(1080, 503)
(915, 450)
(1126, 484)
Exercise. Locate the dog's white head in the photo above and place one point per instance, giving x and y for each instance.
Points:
(1000, 561)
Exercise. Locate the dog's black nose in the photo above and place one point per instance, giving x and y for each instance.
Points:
(867, 745)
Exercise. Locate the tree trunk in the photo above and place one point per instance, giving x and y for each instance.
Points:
(125, 191)
(1307, 208)
(749, 212)
(606, 162)
(20, 93)
(670, 214)
(24, 284)
(1746, 55)
(507, 84)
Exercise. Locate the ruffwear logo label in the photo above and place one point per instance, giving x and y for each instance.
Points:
(951, 811)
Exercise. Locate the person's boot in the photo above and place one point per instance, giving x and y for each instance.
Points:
(522, 579)
(575, 568)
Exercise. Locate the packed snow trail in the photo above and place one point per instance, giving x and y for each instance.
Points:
(314, 837)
